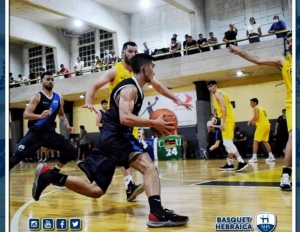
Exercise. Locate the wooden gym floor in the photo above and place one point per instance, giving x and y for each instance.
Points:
(195, 188)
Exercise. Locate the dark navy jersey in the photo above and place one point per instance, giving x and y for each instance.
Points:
(217, 123)
(111, 120)
(45, 103)
(102, 114)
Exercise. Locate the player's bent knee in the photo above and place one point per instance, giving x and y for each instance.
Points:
(229, 146)
(96, 192)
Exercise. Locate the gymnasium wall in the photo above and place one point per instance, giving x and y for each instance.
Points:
(156, 27)
(270, 97)
(16, 60)
(39, 34)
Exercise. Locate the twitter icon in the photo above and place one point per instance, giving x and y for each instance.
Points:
(75, 224)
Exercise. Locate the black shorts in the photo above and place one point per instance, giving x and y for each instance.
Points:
(218, 135)
(34, 139)
(113, 149)
(119, 147)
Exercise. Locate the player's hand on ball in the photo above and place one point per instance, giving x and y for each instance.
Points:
(163, 126)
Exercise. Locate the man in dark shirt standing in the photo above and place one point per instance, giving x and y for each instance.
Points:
(230, 35)
(281, 133)
(203, 42)
(184, 44)
(191, 46)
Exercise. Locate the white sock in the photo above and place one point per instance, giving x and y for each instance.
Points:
(240, 159)
(229, 161)
(127, 180)
(254, 156)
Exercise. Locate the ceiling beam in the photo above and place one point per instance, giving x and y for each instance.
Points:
(187, 6)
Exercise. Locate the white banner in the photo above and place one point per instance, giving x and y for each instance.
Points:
(185, 117)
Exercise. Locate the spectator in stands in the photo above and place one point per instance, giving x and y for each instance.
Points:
(278, 25)
(175, 47)
(281, 133)
(63, 70)
(43, 70)
(78, 67)
(230, 35)
(253, 30)
(99, 63)
(107, 59)
(20, 79)
(94, 68)
(114, 58)
(213, 40)
(147, 50)
(240, 141)
(32, 76)
(174, 36)
(184, 44)
(202, 42)
(11, 81)
(191, 46)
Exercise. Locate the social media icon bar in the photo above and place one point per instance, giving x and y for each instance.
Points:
(61, 224)
(75, 224)
(34, 224)
(48, 224)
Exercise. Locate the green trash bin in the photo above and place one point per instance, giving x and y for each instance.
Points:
(170, 147)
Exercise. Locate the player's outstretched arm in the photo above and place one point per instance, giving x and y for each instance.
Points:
(108, 76)
(276, 61)
(163, 90)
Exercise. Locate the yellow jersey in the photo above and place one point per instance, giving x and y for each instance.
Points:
(121, 74)
(229, 109)
(287, 77)
(262, 117)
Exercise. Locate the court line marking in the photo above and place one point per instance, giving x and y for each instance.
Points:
(14, 225)
(206, 181)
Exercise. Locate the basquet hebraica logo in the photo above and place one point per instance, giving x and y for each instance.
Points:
(241, 223)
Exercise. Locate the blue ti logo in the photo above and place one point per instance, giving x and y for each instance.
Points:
(61, 224)
(34, 224)
(48, 224)
(75, 224)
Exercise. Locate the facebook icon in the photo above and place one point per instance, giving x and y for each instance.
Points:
(61, 224)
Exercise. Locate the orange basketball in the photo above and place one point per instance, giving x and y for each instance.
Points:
(169, 116)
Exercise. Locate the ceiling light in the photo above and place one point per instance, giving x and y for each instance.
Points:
(243, 74)
(150, 86)
(78, 23)
(82, 96)
(239, 73)
(145, 3)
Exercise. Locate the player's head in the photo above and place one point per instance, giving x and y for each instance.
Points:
(289, 41)
(104, 104)
(47, 80)
(212, 86)
(128, 51)
(142, 64)
(81, 127)
(283, 111)
(253, 102)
